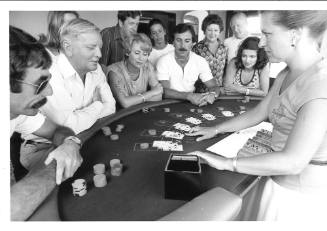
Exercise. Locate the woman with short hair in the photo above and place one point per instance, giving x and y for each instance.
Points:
(212, 49)
(129, 79)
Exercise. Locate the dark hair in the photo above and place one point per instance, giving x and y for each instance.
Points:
(212, 19)
(123, 15)
(17, 36)
(24, 52)
(55, 22)
(314, 20)
(156, 21)
(183, 27)
(252, 43)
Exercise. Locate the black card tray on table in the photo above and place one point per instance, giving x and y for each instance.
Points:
(182, 177)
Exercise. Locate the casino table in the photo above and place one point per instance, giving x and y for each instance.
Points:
(138, 194)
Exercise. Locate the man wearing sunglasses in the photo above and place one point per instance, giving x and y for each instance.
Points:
(29, 77)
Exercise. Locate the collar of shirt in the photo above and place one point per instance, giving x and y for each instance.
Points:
(66, 69)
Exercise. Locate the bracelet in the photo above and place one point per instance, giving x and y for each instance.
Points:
(247, 92)
(143, 98)
(234, 163)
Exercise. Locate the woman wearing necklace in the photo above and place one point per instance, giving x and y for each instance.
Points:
(248, 72)
(158, 35)
(212, 49)
(129, 79)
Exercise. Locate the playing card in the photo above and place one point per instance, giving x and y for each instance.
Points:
(208, 116)
(193, 120)
(174, 135)
(182, 127)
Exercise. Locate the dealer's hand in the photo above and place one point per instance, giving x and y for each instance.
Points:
(68, 160)
(215, 161)
(204, 132)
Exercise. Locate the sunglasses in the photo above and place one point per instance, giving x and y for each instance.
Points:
(40, 87)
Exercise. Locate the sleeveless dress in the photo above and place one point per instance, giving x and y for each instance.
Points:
(301, 197)
(254, 83)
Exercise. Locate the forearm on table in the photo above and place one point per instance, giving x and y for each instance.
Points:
(155, 98)
(60, 134)
(173, 94)
(245, 120)
(108, 109)
(27, 194)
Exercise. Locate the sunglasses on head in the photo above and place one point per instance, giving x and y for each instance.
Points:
(40, 87)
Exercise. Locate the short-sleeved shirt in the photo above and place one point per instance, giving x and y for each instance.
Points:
(179, 79)
(130, 87)
(232, 44)
(113, 47)
(216, 61)
(283, 109)
(156, 54)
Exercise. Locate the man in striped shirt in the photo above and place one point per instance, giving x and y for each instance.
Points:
(115, 39)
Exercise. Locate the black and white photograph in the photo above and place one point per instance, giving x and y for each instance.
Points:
(164, 112)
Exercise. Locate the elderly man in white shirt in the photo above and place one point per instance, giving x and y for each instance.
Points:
(81, 94)
(179, 70)
(239, 25)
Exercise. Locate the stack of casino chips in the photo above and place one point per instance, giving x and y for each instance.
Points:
(79, 187)
(100, 179)
(106, 131)
(116, 167)
(119, 127)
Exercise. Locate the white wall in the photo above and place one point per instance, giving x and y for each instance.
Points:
(35, 22)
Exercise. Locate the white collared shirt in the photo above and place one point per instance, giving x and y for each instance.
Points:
(26, 124)
(179, 79)
(232, 44)
(71, 103)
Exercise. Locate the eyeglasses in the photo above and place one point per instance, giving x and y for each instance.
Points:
(40, 87)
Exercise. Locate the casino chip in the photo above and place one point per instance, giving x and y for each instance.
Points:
(114, 137)
(167, 109)
(119, 127)
(199, 110)
(144, 145)
(100, 180)
(106, 131)
(192, 110)
(145, 110)
(79, 187)
(99, 169)
(152, 132)
(116, 167)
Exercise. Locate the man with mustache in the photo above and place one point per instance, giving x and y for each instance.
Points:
(81, 94)
(239, 26)
(29, 87)
(180, 69)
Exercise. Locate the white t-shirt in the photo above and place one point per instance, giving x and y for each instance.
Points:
(232, 44)
(156, 54)
(183, 81)
(26, 124)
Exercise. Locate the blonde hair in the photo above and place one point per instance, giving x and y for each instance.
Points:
(140, 38)
(75, 28)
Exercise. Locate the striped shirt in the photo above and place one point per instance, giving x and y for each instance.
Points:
(113, 48)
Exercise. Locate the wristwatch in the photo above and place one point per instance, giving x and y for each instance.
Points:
(75, 139)
(214, 93)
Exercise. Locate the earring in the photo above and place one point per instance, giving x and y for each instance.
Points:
(293, 42)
